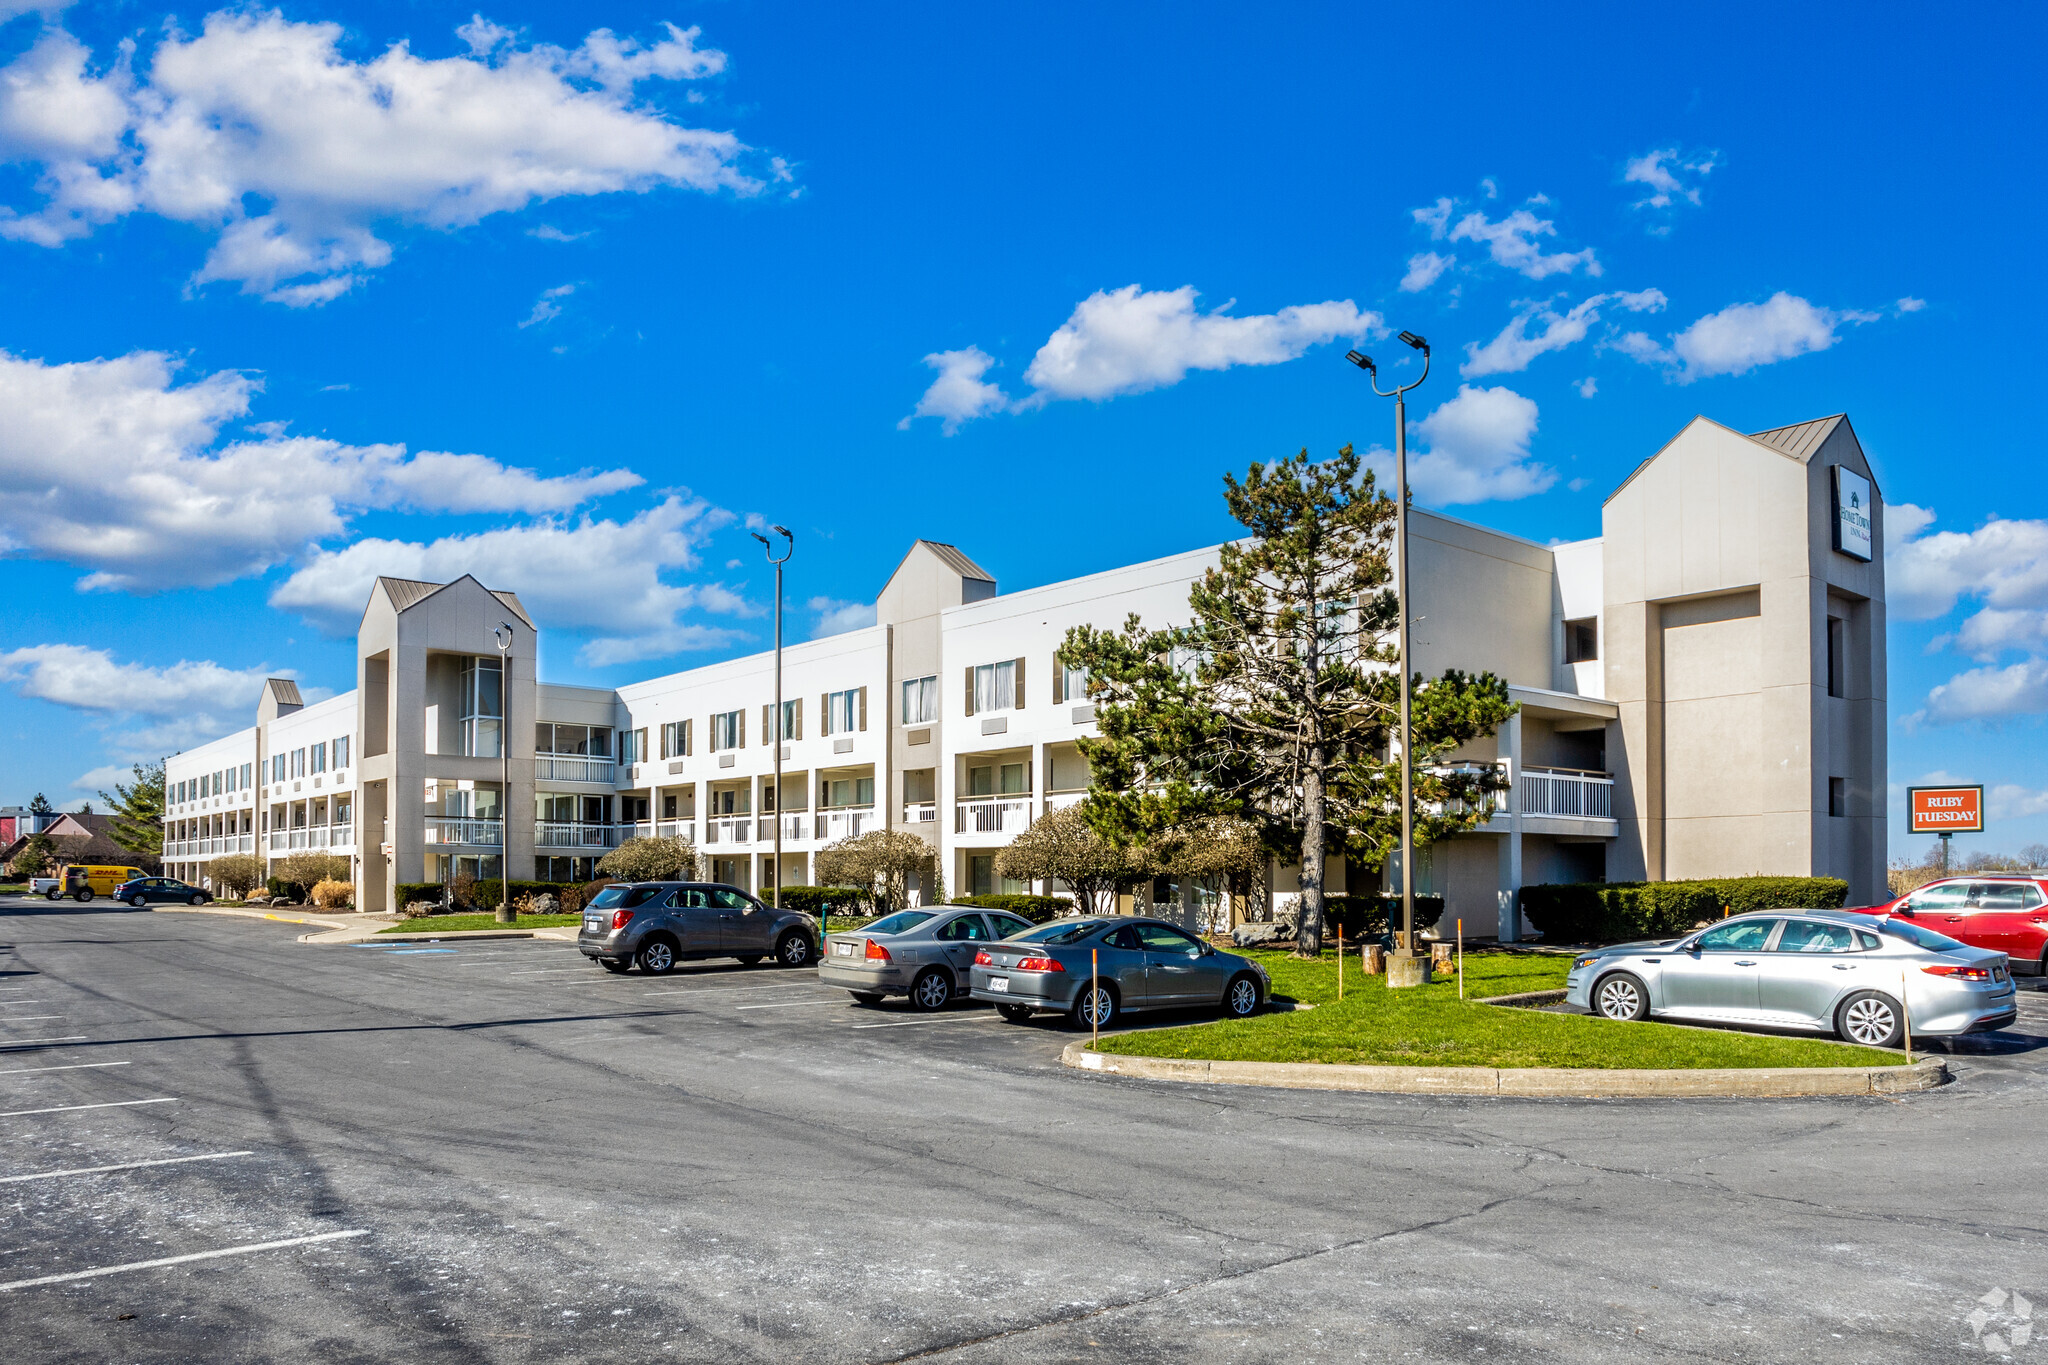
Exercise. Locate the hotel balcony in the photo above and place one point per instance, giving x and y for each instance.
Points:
(993, 814)
(1061, 800)
(561, 834)
(311, 838)
(448, 829)
(1574, 792)
(729, 829)
(846, 822)
(555, 768)
(920, 812)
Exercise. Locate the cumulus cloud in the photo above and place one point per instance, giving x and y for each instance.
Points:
(1129, 340)
(1511, 241)
(1988, 694)
(836, 617)
(263, 132)
(1474, 448)
(180, 705)
(959, 394)
(114, 466)
(1515, 347)
(548, 306)
(1743, 336)
(1423, 269)
(1669, 177)
(2002, 567)
(594, 576)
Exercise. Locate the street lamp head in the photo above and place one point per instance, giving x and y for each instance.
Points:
(1417, 342)
(1362, 361)
(503, 635)
(782, 531)
(763, 539)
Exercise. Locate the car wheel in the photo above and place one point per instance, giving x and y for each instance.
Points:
(868, 998)
(53, 895)
(1621, 997)
(931, 991)
(1095, 1006)
(83, 896)
(1016, 1014)
(198, 900)
(1870, 1018)
(611, 965)
(657, 957)
(1241, 1000)
(793, 949)
(137, 901)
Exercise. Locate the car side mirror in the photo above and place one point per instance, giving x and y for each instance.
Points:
(1905, 911)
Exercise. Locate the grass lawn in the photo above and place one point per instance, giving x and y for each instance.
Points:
(1430, 1026)
(464, 924)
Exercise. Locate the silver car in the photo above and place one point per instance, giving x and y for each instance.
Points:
(1815, 971)
(925, 954)
(655, 925)
(1094, 969)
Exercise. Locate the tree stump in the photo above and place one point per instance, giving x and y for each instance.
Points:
(1440, 955)
(1375, 959)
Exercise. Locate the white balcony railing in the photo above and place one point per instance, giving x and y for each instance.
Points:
(796, 826)
(920, 812)
(992, 815)
(845, 822)
(729, 829)
(458, 830)
(1061, 800)
(1566, 791)
(1490, 803)
(555, 769)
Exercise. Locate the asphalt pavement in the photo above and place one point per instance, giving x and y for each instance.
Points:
(220, 1144)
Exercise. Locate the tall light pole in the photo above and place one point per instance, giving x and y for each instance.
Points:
(788, 549)
(503, 635)
(1404, 966)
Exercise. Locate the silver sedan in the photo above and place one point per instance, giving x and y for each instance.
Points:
(925, 954)
(1814, 971)
(1093, 970)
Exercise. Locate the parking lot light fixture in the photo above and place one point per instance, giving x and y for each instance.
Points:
(775, 731)
(1403, 966)
(503, 635)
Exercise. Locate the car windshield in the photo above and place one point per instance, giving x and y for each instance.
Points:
(898, 922)
(1921, 938)
(1059, 931)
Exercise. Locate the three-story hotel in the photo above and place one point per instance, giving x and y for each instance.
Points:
(1701, 692)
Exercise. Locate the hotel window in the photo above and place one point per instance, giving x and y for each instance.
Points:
(341, 751)
(277, 767)
(849, 791)
(847, 711)
(1838, 656)
(728, 730)
(483, 707)
(1582, 640)
(1007, 780)
(179, 798)
(1068, 683)
(298, 763)
(1838, 796)
(633, 746)
(995, 687)
(216, 785)
(248, 771)
(921, 700)
(792, 720)
(319, 760)
(675, 739)
(593, 741)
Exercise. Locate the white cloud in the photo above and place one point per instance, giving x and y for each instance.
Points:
(598, 577)
(1588, 387)
(1423, 269)
(186, 703)
(103, 778)
(1988, 694)
(1664, 175)
(1475, 449)
(259, 111)
(548, 306)
(2003, 563)
(1910, 305)
(2011, 801)
(959, 394)
(113, 466)
(1743, 336)
(836, 617)
(1511, 240)
(1514, 348)
(1129, 340)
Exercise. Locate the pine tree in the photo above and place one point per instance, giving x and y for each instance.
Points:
(41, 805)
(138, 812)
(1280, 702)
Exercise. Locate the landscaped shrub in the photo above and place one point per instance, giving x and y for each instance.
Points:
(1037, 909)
(1365, 918)
(814, 900)
(236, 873)
(1614, 912)
(409, 892)
(333, 895)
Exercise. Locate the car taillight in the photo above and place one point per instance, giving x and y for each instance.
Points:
(619, 918)
(1039, 964)
(1960, 973)
(876, 952)
(982, 959)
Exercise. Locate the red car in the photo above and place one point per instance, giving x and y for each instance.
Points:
(2006, 913)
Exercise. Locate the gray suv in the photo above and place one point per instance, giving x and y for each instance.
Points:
(658, 924)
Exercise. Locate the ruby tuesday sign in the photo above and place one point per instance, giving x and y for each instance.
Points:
(1945, 810)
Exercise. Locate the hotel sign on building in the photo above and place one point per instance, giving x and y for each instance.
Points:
(1852, 513)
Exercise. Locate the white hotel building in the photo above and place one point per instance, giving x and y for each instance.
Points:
(1701, 690)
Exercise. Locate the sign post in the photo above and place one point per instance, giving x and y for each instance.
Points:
(1946, 811)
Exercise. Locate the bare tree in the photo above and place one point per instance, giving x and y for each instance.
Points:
(1061, 846)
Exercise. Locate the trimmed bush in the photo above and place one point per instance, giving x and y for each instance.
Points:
(1365, 918)
(812, 900)
(1037, 909)
(1615, 912)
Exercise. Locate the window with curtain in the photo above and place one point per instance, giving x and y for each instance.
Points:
(725, 730)
(921, 700)
(793, 719)
(341, 751)
(672, 738)
(319, 758)
(995, 686)
(1073, 683)
(842, 711)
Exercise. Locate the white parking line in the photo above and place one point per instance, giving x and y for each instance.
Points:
(38, 1042)
(29, 1018)
(790, 1004)
(20, 1002)
(735, 990)
(67, 1108)
(550, 971)
(75, 1066)
(124, 1166)
(961, 1019)
(182, 1260)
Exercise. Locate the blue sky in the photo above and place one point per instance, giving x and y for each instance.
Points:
(568, 295)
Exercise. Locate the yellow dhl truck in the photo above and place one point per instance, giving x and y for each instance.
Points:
(83, 881)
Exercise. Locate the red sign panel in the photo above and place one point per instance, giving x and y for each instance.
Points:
(1945, 810)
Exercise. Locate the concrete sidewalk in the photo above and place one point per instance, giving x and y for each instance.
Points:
(351, 928)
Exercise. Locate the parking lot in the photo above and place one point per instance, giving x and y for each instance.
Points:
(493, 1150)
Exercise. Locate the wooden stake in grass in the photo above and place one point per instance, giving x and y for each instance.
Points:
(1461, 958)
(1340, 962)
(1906, 1013)
(1094, 981)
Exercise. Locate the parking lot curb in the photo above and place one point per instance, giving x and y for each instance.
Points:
(1791, 1082)
(324, 921)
